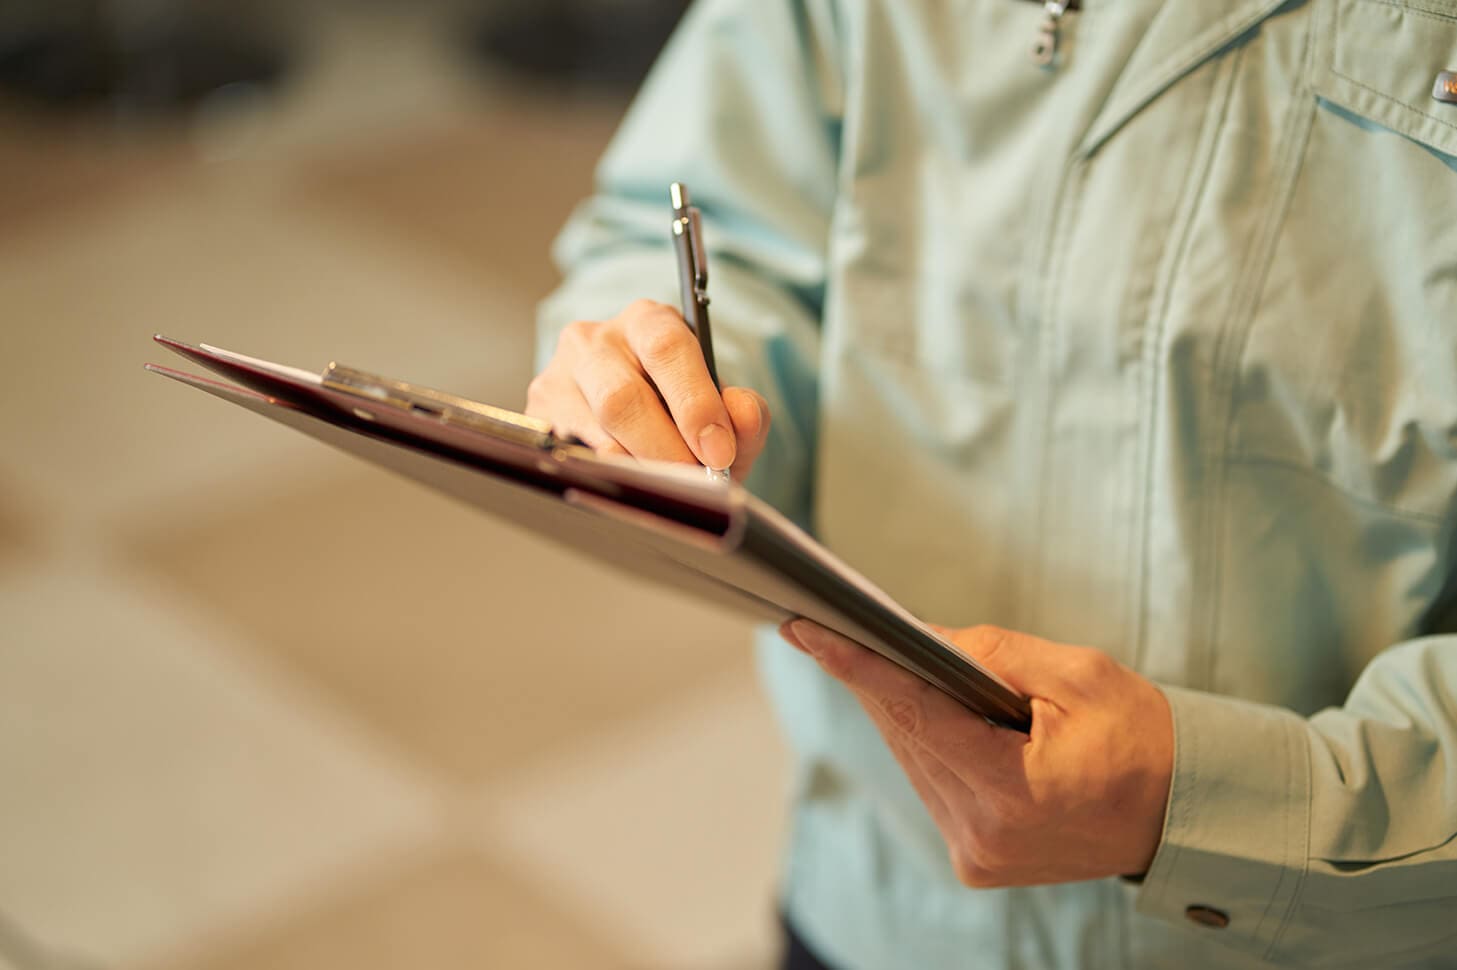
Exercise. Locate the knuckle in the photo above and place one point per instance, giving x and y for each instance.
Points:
(643, 307)
(619, 405)
(968, 872)
(905, 714)
(661, 340)
(578, 333)
(986, 640)
(748, 416)
(971, 872)
(989, 838)
(1091, 664)
(993, 857)
(839, 664)
(538, 394)
(765, 419)
(937, 772)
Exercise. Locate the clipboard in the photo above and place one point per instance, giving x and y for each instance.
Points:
(662, 522)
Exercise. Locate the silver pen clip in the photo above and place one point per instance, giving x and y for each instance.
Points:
(700, 257)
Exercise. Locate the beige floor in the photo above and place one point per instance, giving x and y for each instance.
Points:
(234, 731)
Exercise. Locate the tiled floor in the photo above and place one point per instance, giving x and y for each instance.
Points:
(472, 646)
(263, 706)
(445, 910)
(687, 906)
(18, 538)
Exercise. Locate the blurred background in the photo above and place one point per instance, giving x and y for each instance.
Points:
(262, 705)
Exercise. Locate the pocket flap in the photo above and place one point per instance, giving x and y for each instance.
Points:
(1380, 59)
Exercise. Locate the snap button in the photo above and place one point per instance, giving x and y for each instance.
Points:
(1445, 87)
(1208, 916)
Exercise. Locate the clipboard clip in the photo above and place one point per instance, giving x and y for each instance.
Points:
(375, 391)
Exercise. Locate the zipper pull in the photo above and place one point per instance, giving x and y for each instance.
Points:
(1044, 50)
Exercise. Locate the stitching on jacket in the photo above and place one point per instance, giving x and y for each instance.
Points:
(1448, 14)
(1202, 653)
(1304, 748)
(1178, 810)
(1230, 352)
(1230, 349)
(1284, 853)
(1404, 129)
(1181, 62)
(1152, 374)
(1289, 860)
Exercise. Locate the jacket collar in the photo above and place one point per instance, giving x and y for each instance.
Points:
(1181, 35)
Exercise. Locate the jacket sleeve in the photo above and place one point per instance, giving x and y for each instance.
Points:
(1329, 841)
(742, 106)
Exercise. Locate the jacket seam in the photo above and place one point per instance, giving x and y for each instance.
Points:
(1049, 337)
(1186, 750)
(1408, 130)
(1152, 371)
(1293, 907)
(1284, 859)
(1297, 863)
(1230, 350)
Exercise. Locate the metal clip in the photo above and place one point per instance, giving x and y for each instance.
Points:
(1044, 50)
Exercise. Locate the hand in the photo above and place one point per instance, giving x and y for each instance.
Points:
(1082, 798)
(637, 385)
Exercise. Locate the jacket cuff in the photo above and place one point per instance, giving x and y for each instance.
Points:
(1233, 851)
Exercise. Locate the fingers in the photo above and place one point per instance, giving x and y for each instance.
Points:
(562, 403)
(643, 382)
(749, 413)
(673, 360)
(963, 741)
(626, 407)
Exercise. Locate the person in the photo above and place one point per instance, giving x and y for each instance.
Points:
(1137, 370)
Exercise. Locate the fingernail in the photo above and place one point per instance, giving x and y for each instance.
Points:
(804, 637)
(716, 446)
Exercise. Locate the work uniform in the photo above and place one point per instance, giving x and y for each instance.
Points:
(1152, 348)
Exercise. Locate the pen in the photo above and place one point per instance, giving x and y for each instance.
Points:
(693, 282)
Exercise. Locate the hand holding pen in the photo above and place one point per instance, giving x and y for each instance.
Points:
(640, 383)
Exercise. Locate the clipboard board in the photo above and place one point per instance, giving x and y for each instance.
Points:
(662, 522)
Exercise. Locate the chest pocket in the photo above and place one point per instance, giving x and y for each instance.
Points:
(1349, 370)
(1380, 59)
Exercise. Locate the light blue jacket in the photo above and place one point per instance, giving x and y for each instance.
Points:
(1154, 350)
